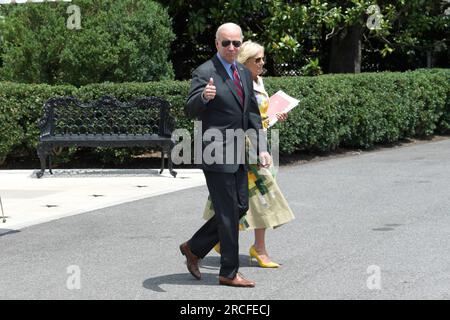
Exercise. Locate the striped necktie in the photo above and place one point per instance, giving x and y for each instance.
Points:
(237, 84)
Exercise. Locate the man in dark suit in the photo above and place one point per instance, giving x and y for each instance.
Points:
(221, 96)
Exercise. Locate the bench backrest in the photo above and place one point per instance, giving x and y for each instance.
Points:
(107, 116)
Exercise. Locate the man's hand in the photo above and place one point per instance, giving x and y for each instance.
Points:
(210, 90)
(265, 159)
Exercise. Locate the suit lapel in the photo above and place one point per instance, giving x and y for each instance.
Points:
(224, 75)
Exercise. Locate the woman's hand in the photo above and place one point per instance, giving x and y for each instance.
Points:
(281, 116)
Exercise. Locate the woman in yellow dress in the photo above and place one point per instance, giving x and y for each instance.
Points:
(267, 206)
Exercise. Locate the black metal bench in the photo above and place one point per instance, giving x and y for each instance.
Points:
(106, 122)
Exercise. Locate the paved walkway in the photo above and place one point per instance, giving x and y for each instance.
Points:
(28, 200)
(368, 226)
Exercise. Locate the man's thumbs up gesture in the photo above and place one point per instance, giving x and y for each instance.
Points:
(210, 90)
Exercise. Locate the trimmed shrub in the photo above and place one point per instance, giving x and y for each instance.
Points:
(359, 111)
(126, 40)
(356, 111)
(20, 110)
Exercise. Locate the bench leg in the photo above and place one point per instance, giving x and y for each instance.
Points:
(41, 155)
(162, 160)
(50, 164)
(169, 160)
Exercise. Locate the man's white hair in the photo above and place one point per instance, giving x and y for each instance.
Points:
(228, 25)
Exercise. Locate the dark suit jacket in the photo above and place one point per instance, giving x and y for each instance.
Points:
(222, 113)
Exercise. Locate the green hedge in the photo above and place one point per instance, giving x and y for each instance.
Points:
(335, 110)
(365, 109)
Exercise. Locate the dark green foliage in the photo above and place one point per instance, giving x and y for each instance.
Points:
(126, 40)
(355, 111)
(298, 34)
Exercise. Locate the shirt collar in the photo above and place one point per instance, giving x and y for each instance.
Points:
(226, 65)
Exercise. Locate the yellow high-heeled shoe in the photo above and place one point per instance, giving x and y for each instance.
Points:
(254, 254)
(217, 247)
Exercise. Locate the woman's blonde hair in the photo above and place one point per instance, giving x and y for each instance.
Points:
(249, 49)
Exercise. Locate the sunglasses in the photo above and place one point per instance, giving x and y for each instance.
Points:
(260, 59)
(226, 43)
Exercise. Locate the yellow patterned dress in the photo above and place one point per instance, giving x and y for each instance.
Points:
(267, 206)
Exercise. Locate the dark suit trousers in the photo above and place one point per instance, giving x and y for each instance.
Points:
(229, 195)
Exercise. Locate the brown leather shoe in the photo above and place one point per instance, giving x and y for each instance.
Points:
(191, 260)
(237, 281)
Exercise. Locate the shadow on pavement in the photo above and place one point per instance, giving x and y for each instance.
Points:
(82, 173)
(208, 279)
(4, 232)
(154, 284)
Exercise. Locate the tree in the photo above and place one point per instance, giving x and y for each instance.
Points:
(405, 27)
(127, 40)
(315, 35)
(419, 31)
